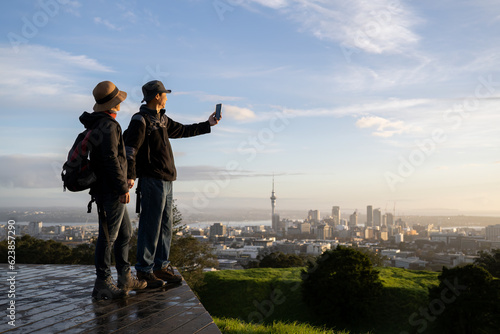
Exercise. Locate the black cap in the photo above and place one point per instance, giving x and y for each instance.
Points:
(150, 89)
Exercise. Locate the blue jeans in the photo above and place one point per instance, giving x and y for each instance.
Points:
(155, 224)
(119, 230)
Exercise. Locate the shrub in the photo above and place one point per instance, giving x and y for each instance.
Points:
(342, 286)
(467, 300)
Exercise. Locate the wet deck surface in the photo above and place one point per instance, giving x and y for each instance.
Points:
(57, 299)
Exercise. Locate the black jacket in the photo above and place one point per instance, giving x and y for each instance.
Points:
(107, 154)
(148, 148)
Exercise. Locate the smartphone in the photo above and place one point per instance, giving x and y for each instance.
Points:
(217, 111)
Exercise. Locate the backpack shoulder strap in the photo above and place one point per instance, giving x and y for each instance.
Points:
(145, 118)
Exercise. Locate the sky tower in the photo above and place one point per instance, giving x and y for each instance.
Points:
(273, 199)
(275, 218)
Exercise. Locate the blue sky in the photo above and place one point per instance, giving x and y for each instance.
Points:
(347, 103)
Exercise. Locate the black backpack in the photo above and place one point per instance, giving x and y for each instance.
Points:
(77, 173)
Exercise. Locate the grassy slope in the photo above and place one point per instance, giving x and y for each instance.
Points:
(234, 326)
(271, 295)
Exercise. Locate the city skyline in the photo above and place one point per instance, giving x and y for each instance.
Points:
(346, 104)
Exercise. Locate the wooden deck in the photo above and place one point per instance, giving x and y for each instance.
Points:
(57, 299)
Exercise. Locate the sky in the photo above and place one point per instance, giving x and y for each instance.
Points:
(386, 103)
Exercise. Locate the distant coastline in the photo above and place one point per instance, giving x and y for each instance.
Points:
(250, 217)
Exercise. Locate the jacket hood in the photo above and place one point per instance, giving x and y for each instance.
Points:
(89, 119)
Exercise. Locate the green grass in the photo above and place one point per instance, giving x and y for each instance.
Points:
(272, 299)
(235, 326)
(255, 295)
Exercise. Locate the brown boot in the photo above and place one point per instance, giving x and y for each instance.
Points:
(167, 274)
(152, 281)
(106, 289)
(128, 282)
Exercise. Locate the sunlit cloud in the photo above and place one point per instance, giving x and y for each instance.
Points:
(379, 26)
(238, 113)
(384, 127)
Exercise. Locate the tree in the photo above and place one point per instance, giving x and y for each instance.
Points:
(375, 258)
(467, 300)
(33, 250)
(281, 260)
(490, 261)
(84, 253)
(188, 254)
(341, 286)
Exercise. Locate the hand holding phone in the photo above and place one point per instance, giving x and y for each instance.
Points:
(218, 108)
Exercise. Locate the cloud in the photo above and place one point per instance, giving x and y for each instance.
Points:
(23, 171)
(106, 23)
(254, 72)
(378, 26)
(275, 4)
(390, 105)
(206, 97)
(48, 74)
(384, 127)
(205, 172)
(237, 113)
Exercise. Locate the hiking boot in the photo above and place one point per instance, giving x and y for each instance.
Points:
(167, 274)
(128, 282)
(153, 282)
(106, 289)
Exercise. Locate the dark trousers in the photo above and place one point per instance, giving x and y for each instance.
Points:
(114, 217)
(155, 225)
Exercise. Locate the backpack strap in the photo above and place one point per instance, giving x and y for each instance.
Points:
(146, 118)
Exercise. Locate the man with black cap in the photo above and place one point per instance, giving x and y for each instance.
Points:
(111, 192)
(150, 158)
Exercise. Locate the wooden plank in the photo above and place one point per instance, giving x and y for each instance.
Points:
(172, 323)
(194, 324)
(57, 298)
(209, 329)
(124, 316)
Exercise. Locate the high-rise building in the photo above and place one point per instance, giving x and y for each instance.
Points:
(313, 216)
(218, 229)
(493, 232)
(336, 215)
(59, 229)
(305, 228)
(377, 217)
(369, 215)
(399, 238)
(353, 219)
(390, 219)
(35, 228)
(276, 224)
(324, 232)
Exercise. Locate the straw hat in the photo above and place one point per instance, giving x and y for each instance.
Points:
(107, 96)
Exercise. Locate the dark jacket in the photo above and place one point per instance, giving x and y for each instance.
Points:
(107, 154)
(148, 149)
